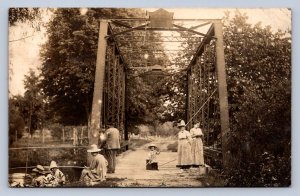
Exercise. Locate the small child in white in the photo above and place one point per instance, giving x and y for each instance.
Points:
(56, 177)
(151, 162)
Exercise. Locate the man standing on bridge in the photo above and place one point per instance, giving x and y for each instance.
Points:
(113, 145)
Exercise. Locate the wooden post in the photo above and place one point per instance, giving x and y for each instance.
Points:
(16, 135)
(63, 134)
(99, 84)
(223, 96)
(43, 135)
(81, 135)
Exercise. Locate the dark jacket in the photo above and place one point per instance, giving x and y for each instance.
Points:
(113, 138)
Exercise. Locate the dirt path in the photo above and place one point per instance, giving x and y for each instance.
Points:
(131, 168)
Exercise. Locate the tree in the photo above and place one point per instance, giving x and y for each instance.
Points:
(16, 120)
(27, 111)
(22, 15)
(259, 84)
(33, 110)
(69, 59)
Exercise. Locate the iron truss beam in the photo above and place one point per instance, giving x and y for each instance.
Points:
(136, 65)
(121, 24)
(167, 37)
(200, 48)
(131, 50)
(161, 39)
(145, 27)
(157, 41)
(174, 19)
(151, 68)
(198, 26)
(114, 102)
(127, 31)
(189, 30)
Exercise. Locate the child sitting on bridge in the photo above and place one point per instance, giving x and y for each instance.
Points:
(40, 179)
(56, 177)
(151, 162)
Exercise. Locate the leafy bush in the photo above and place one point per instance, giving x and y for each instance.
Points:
(166, 129)
(268, 171)
(259, 95)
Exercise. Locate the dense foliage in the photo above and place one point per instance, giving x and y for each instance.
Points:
(259, 83)
(69, 59)
(16, 121)
(22, 15)
(34, 105)
(26, 113)
(258, 63)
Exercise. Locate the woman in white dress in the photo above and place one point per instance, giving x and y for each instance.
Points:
(197, 146)
(184, 147)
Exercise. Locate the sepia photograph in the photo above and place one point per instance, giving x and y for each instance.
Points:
(149, 97)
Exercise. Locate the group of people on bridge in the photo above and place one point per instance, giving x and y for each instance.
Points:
(190, 154)
(103, 163)
(40, 177)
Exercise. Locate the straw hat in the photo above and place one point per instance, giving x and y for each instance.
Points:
(181, 124)
(152, 145)
(39, 169)
(93, 148)
(53, 165)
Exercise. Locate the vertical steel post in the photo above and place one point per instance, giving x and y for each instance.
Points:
(188, 100)
(125, 105)
(223, 97)
(98, 84)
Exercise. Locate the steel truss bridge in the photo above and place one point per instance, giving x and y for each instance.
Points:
(203, 63)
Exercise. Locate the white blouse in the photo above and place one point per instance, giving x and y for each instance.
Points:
(196, 132)
(184, 135)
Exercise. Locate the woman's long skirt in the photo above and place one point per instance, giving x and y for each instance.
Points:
(184, 154)
(197, 152)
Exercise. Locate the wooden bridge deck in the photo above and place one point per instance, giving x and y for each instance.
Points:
(131, 168)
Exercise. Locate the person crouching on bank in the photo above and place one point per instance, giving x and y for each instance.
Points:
(98, 167)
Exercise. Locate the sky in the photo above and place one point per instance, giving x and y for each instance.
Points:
(24, 54)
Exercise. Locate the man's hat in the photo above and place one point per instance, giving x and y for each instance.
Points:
(181, 124)
(152, 145)
(39, 169)
(53, 165)
(93, 148)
